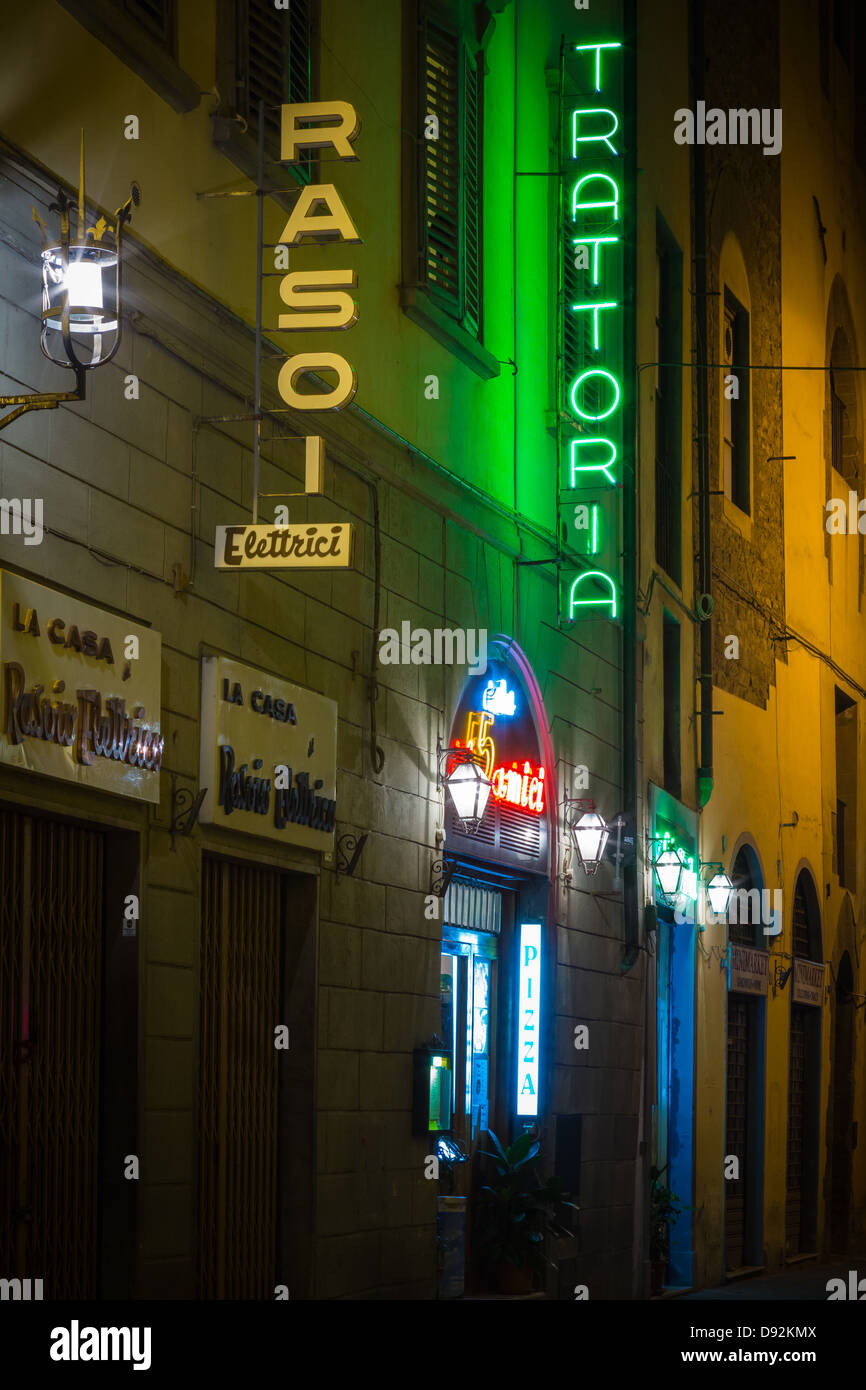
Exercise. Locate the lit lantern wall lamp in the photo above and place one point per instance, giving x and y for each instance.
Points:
(719, 890)
(81, 296)
(589, 832)
(461, 772)
(668, 866)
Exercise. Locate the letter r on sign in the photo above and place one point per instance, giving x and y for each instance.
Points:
(312, 135)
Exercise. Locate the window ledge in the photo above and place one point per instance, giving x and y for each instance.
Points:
(418, 305)
(740, 521)
(233, 141)
(743, 1271)
(131, 43)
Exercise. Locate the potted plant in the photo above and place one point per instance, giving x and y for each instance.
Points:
(512, 1214)
(665, 1207)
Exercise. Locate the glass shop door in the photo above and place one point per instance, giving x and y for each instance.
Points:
(468, 999)
(468, 988)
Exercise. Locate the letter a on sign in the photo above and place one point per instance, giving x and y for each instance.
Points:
(308, 220)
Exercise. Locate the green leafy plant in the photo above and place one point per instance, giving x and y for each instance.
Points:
(665, 1207)
(515, 1209)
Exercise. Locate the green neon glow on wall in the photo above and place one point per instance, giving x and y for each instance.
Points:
(592, 602)
(689, 880)
(603, 414)
(595, 242)
(586, 139)
(577, 207)
(608, 304)
(592, 467)
(596, 47)
(594, 546)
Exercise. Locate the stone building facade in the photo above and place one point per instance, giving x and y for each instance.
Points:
(213, 1163)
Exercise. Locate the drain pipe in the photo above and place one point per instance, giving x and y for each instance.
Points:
(700, 312)
(631, 944)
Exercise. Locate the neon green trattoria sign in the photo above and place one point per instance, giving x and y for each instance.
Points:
(593, 226)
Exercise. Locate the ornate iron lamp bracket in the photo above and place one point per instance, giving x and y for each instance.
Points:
(349, 850)
(185, 809)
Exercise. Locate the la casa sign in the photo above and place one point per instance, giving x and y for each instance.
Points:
(318, 299)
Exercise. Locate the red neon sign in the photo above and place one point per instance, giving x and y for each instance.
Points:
(525, 789)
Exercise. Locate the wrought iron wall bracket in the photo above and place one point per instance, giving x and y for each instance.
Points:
(349, 850)
(441, 873)
(185, 809)
(42, 400)
(780, 974)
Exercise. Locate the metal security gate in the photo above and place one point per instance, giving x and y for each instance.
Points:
(842, 1099)
(241, 993)
(796, 1132)
(736, 1112)
(51, 927)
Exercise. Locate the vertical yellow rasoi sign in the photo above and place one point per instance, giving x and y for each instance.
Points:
(319, 299)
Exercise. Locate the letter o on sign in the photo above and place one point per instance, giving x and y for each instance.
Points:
(612, 383)
(338, 396)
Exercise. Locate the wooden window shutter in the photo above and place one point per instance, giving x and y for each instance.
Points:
(440, 192)
(471, 259)
(157, 17)
(275, 61)
(299, 85)
(450, 173)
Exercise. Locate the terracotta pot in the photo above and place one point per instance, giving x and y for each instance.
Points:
(513, 1279)
(657, 1276)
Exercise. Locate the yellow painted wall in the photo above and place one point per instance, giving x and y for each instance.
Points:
(770, 763)
(212, 240)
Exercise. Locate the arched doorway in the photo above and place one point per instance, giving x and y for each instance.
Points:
(842, 1106)
(498, 953)
(673, 1117)
(804, 1066)
(744, 1076)
(843, 431)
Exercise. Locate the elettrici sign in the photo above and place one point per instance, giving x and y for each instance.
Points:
(320, 545)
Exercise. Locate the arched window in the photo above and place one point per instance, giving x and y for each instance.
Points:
(499, 715)
(842, 428)
(804, 1062)
(734, 384)
(745, 908)
(806, 919)
(844, 445)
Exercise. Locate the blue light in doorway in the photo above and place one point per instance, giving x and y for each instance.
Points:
(498, 699)
(529, 1018)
